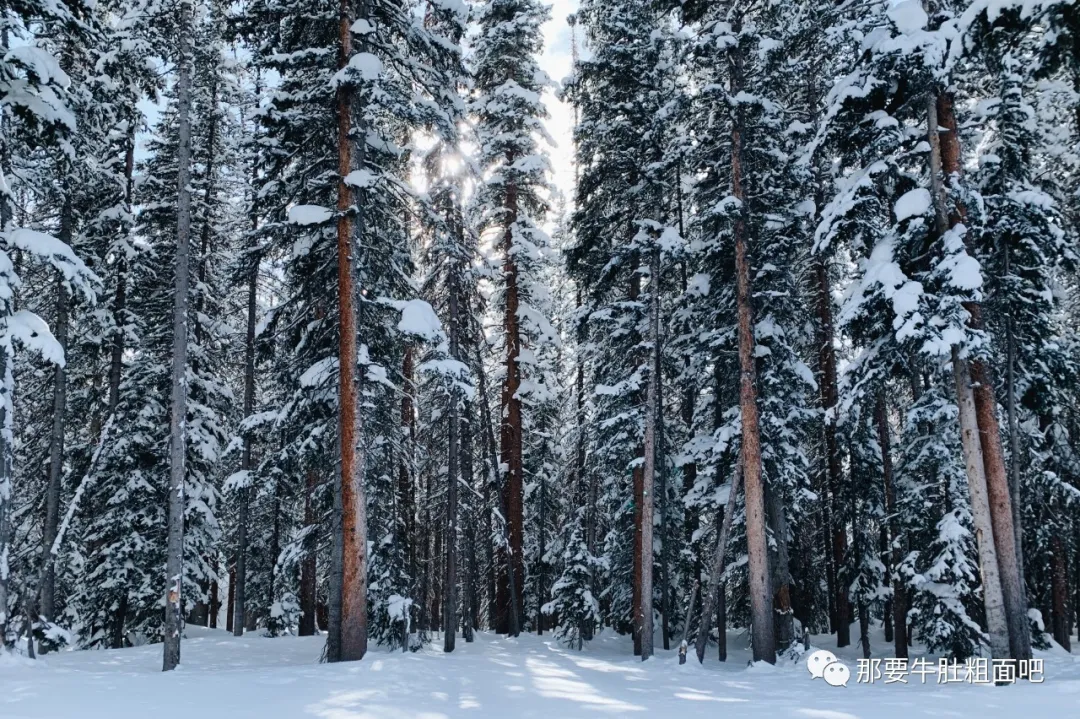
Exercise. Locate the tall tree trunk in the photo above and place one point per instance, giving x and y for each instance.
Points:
(1014, 428)
(437, 530)
(469, 610)
(1076, 578)
(275, 549)
(784, 626)
(426, 561)
(652, 404)
(510, 438)
(307, 564)
(834, 472)
(721, 622)
(541, 591)
(764, 644)
(238, 587)
(996, 621)
(637, 478)
(215, 597)
(178, 420)
(896, 551)
(230, 602)
(1059, 582)
(885, 551)
(6, 406)
(354, 511)
(450, 578)
(946, 170)
(513, 624)
(686, 621)
(238, 580)
(491, 552)
(406, 491)
(660, 463)
(47, 591)
(713, 593)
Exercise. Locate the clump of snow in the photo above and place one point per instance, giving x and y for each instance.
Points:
(698, 285)
(908, 15)
(32, 332)
(915, 203)
(964, 271)
(361, 178)
(362, 27)
(367, 65)
(309, 214)
(418, 318)
(318, 373)
(40, 62)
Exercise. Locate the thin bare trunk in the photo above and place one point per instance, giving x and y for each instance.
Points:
(1014, 428)
(645, 610)
(896, 551)
(637, 476)
(717, 569)
(837, 534)
(514, 608)
(307, 564)
(177, 436)
(406, 492)
(764, 643)
(238, 577)
(230, 606)
(469, 611)
(510, 438)
(215, 597)
(683, 645)
(450, 578)
(784, 625)
(1059, 576)
(47, 591)
(119, 305)
(541, 591)
(658, 415)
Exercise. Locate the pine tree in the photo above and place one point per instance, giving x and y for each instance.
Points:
(509, 115)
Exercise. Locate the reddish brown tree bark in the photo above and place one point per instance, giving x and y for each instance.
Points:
(946, 145)
(756, 536)
(354, 515)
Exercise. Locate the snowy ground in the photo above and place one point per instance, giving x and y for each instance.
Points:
(223, 676)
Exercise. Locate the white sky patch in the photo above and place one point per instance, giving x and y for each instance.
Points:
(557, 61)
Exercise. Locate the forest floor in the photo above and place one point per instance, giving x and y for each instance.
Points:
(253, 676)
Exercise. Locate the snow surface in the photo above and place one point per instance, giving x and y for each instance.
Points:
(252, 676)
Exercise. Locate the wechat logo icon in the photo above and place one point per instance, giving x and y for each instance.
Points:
(824, 665)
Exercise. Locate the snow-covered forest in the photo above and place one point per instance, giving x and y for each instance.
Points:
(303, 332)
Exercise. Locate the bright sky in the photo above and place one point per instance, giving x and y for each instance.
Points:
(556, 62)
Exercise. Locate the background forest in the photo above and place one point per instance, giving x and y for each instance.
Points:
(297, 335)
